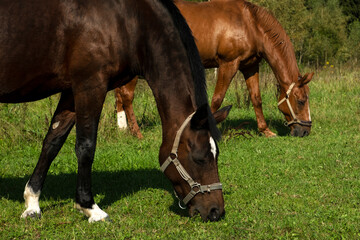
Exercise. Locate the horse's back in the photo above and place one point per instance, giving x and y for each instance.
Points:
(222, 29)
(44, 42)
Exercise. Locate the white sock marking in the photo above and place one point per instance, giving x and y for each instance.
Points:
(31, 202)
(213, 146)
(94, 213)
(121, 120)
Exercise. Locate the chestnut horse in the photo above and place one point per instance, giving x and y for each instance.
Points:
(82, 49)
(236, 35)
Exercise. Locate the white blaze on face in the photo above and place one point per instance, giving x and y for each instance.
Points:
(309, 112)
(213, 146)
(31, 202)
(121, 120)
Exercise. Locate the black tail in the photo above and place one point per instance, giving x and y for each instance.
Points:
(197, 69)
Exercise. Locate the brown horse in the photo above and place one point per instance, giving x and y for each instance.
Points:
(82, 49)
(235, 35)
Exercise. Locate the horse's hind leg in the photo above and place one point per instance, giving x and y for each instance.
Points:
(226, 72)
(124, 98)
(61, 124)
(252, 82)
(120, 113)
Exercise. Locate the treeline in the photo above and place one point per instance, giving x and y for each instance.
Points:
(321, 30)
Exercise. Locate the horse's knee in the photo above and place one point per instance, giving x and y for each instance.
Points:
(256, 100)
(85, 149)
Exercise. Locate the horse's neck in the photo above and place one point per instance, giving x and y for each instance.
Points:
(275, 46)
(171, 81)
(174, 97)
(283, 64)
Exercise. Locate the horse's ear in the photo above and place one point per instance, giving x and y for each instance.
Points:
(200, 118)
(306, 78)
(221, 114)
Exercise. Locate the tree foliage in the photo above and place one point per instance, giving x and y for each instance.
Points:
(351, 9)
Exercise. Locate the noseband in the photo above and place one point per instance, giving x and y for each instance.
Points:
(173, 158)
(295, 120)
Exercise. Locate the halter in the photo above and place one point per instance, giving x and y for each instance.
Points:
(295, 120)
(173, 158)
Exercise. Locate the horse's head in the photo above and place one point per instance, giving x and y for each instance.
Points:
(192, 166)
(294, 104)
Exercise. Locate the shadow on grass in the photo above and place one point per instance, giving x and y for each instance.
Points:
(251, 125)
(113, 185)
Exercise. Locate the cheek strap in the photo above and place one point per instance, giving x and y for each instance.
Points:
(195, 187)
(295, 120)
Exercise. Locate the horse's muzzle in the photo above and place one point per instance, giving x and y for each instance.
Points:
(300, 131)
(213, 214)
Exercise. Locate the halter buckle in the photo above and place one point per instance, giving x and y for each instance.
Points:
(196, 187)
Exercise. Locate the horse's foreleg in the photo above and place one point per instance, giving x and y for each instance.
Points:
(252, 82)
(61, 124)
(88, 106)
(126, 94)
(226, 72)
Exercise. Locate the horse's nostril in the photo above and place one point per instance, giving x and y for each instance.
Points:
(214, 214)
(294, 133)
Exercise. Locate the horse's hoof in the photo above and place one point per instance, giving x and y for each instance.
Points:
(271, 135)
(95, 214)
(267, 133)
(139, 136)
(32, 213)
(105, 219)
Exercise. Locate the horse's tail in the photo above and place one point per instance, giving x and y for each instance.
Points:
(196, 66)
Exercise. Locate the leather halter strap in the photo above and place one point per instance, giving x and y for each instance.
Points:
(173, 158)
(295, 120)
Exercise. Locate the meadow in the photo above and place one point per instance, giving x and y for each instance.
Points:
(274, 188)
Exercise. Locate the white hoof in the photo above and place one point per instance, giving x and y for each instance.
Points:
(31, 213)
(95, 214)
(121, 120)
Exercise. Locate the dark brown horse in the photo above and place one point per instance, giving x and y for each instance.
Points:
(84, 48)
(235, 35)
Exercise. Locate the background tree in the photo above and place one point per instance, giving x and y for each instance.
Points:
(351, 9)
(327, 31)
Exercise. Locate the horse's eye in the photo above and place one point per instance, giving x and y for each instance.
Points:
(199, 161)
(301, 102)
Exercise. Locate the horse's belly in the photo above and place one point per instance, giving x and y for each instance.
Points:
(37, 88)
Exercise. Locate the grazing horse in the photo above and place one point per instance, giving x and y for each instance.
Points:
(82, 49)
(236, 35)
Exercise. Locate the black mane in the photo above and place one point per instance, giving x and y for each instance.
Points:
(197, 68)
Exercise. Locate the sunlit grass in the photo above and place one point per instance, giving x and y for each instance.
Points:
(284, 187)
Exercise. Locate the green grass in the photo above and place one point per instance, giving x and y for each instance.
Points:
(278, 188)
